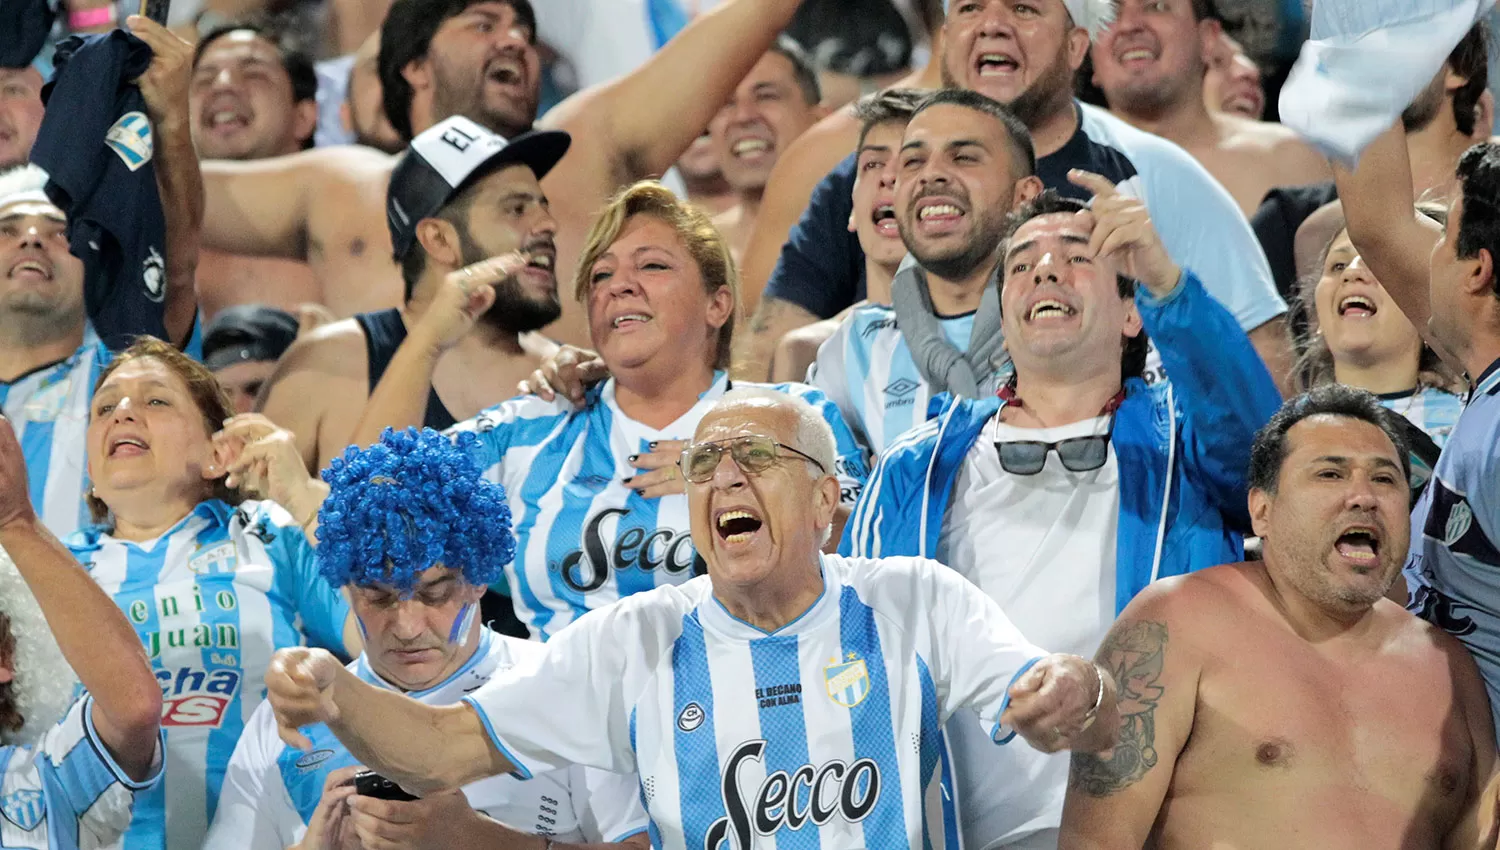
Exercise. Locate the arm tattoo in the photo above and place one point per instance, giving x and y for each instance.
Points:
(1133, 653)
(767, 314)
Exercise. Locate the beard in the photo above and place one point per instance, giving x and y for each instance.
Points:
(458, 93)
(978, 250)
(1424, 108)
(1047, 95)
(513, 311)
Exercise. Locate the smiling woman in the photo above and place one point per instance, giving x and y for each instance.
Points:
(212, 583)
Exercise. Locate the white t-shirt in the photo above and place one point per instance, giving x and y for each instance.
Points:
(824, 733)
(271, 790)
(1043, 547)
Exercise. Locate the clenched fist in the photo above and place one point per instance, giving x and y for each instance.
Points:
(300, 684)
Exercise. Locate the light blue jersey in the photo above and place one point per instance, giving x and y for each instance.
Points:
(1435, 411)
(49, 409)
(583, 538)
(272, 789)
(67, 793)
(1453, 568)
(867, 370)
(823, 734)
(211, 599)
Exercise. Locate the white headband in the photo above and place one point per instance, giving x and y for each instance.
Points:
(23, 184)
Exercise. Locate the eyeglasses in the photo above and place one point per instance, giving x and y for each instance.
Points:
(753, 454)
(1078, 454)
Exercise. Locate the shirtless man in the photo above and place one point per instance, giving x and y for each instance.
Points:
(775, 103)
(1150, 64)
(253, 96)
(478, 58)
(460, 195)
(1290, 704)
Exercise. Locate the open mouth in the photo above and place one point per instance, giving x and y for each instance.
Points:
(737, 525)
(505, 71)
(1356, 305)
(750, 148)
(939, 212)
(1135, 56)
(996, 65)
(31, 268)
(127, 447)
(629, 320)
(884, 218)
(1360, 544)
(226, 119)
(1048, 308)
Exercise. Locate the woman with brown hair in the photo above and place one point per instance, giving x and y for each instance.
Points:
(1359, 337)
(599, 505)
(213, 583)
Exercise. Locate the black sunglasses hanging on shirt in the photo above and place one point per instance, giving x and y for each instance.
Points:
(1078, 454)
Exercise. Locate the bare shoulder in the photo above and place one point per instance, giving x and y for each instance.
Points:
(336, 349)
(1268, 139)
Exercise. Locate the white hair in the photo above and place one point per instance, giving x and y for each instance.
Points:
(814, 436)
(44, 682)
(23, 183)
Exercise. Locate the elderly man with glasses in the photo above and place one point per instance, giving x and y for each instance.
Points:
(1080, 483)
(787, 696)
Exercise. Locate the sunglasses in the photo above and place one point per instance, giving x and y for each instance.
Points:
(1078, 454)
(753, 455)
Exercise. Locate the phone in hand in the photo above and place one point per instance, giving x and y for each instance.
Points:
(368, 783)
(156, 10)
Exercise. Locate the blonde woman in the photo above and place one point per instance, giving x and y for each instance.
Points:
(598, 501)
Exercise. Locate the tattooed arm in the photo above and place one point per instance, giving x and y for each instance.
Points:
(1114, 797)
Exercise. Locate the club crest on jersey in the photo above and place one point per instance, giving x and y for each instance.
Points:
(196, 697)
(24, 808)
(691, 718)
(313, 759)
(1459, 520)
(130, 139)
(216, 560)
(848, 681)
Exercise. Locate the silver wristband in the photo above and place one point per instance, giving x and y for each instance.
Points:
(1093, 713)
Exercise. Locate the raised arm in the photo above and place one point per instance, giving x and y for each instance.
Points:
(423, 748)
(650, 116)
(94, 636)
(178, 179)
(1114, 797)
(1392, 239)
(400, 399)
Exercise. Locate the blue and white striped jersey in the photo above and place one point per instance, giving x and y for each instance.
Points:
(211, 599)
(1431, 409)
(49, 408)
(584, 539)
(823, 734)
(271, 789)
(1453, 566)
(67, 793)
(867, 370)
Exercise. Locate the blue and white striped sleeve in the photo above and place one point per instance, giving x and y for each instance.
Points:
(81, 782)
(322, 610)
(851, 460)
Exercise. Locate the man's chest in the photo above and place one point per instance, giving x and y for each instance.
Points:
(1277, 718)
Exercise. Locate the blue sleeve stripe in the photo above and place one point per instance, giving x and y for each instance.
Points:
(1005, 703)
(116, 772)
(521, 771)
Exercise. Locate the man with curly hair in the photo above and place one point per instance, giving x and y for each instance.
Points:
(415, 534)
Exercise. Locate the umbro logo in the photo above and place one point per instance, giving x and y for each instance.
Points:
(901, 387)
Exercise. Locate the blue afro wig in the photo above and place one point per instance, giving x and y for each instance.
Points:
(412, 501)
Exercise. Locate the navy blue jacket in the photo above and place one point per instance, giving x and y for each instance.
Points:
(96, 144)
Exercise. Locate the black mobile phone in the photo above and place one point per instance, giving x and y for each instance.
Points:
(156, 10)
(368, 783)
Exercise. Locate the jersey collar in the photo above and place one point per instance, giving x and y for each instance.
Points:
(482, 654)
(1488, 381)
(714, 616)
